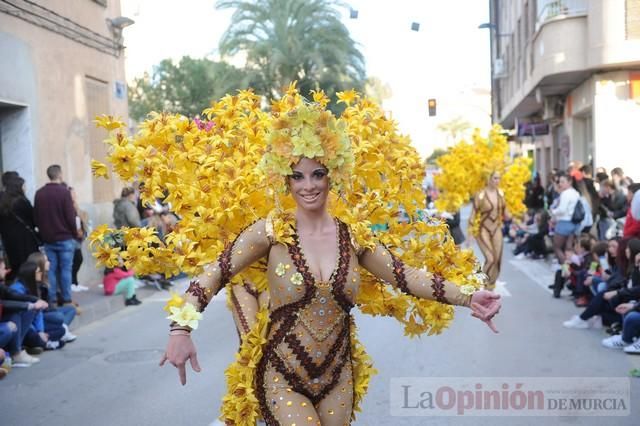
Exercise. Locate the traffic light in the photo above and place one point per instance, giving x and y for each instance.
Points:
(432, 107)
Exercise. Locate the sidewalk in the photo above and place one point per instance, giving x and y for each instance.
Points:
(94, 305)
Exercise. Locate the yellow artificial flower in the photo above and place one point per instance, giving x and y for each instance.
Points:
(108, 122)
(107, 255)
(97, 234)
(176, 301)
(320, 97)
(348, 97)
(297, 278)
(186, 316)
(99, 170)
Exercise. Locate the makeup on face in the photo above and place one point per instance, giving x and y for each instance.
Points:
(309, 184)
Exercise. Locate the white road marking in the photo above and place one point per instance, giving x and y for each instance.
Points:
(501, 289)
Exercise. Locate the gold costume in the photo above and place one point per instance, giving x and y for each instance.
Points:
(306, 367)
(299, 360)
(487, 215)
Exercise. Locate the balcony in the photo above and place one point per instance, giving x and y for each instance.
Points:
(551, 10)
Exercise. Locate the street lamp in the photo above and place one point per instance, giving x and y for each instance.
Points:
(116, 25)
(492, 27)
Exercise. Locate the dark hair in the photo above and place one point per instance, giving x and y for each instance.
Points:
(611, 260)
(7, 176)
(27, 276)
(626, 263)
(586, 169)
(600, 248)
(40, 259)
(585, 242)
(634, 249)
(126, 191)
(601, 176)
(634, 187)
(12, 192)
(54, 172)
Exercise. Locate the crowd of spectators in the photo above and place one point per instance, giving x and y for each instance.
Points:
(40, 256)
(590, 228)
(40, 245)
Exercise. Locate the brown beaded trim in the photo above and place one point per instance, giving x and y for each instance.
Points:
(437, 284)
(241, 317)
(340, 278)
(261, 372)
(225, 264)
(200, 292)
(337, 371)
(398, 273)
(315, 370)
(252, 291)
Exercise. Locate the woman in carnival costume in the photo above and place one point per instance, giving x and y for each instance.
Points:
(473, 172)
(303, 239)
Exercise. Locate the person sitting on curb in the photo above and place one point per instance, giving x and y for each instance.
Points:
(43, 334)
(62, 316)
(20, 310)
(119, 280)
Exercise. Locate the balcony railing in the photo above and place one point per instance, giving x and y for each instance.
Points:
(552, 9)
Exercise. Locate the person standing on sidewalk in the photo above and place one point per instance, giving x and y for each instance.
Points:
(55, 217)
(125, 212)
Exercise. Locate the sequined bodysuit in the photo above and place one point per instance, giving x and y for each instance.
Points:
(490, 232)
(305, 374)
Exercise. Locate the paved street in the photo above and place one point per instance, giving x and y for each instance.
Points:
(110, 375)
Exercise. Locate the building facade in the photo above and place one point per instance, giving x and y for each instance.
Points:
(566, 80)
(62, 63)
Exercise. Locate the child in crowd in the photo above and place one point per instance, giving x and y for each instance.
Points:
(597, 267)
(579, 266)
(118, 280)
(62, 316)
(530, 241)
(42, 334)
(18, 312)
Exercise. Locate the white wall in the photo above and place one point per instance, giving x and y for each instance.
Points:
(616, 122)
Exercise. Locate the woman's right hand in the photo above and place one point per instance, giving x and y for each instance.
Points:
(180, 349)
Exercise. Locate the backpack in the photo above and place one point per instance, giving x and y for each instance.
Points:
(578, 213)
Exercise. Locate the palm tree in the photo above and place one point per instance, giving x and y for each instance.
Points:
(454, 128)
(287, 40)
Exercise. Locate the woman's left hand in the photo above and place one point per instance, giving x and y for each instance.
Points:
(484, 306)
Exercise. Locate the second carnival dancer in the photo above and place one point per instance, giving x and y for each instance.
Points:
(305, 373)
(482, 172)
(488, 209)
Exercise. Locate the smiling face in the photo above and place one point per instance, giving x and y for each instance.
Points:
(309, 185)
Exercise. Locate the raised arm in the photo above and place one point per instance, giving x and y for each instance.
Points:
(251, 245)
(412, 281)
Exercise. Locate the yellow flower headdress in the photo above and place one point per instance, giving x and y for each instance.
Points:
(307, 130)
(467, 166)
